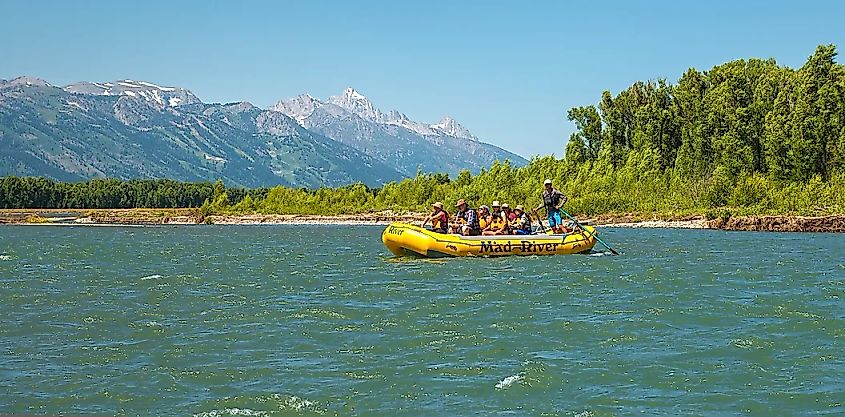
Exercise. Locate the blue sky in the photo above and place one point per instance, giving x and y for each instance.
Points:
(506, 70)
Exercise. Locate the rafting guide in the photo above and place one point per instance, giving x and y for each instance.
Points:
(553, 201)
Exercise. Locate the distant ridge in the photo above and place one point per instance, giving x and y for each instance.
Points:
(139, 129)
(392, 137)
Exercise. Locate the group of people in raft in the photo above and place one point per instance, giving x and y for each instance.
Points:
(500, 220)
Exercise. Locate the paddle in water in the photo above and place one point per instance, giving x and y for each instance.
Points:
(589, 233)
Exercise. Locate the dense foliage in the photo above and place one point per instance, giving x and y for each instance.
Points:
(746, 137)
(112, 193)
(738, 119)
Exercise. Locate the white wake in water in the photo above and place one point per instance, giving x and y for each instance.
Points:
(509, 381)
(149, 277)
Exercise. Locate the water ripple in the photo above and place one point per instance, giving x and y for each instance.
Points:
(301, 320)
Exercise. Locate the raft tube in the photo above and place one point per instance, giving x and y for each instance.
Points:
(406, 239)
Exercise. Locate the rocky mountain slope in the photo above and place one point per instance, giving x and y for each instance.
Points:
(131, 129)
(392, 137)
(137, 129)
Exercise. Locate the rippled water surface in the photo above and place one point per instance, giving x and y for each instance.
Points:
(319, 320)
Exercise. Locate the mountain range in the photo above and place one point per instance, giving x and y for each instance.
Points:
(137, 129)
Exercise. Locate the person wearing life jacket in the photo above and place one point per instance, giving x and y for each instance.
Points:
(553, 200)
(483, 217)
(509, 214)
(466, 220)
(439, 219)
(498, 224)
(521, 223)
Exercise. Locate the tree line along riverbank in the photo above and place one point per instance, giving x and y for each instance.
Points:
(192, 216)
(748, 139)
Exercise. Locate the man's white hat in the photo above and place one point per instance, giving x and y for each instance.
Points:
(547, 182)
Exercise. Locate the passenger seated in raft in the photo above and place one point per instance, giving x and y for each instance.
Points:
(498, 224)
(521, 224)
(439, 219)
(509, 214)
(466, 221)
(483, 217)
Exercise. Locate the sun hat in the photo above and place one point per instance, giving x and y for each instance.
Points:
(505, 205)
(547, 182)
(461, 201)
(485, 208)
(519, 207)
(438, 205)
(496, 203)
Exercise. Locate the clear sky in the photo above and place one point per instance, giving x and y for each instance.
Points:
(508, 70)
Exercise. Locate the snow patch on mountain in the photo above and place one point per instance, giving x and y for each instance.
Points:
(157, 87)
(152, 93)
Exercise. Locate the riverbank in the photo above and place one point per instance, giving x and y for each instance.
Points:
(146, 217)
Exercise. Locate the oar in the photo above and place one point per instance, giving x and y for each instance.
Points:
(539, 221)
(588, 232)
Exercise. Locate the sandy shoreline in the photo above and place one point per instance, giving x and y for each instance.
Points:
(154, 217)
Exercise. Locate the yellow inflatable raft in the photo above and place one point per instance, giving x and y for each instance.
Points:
(406, 239)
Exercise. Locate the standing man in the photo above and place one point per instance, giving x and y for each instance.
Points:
(553, 200)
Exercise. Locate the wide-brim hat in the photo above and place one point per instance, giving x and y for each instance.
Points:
(547, 182)
(505, 205)
(438, 205)
(519, 207)
(461, 201)
(496, 203)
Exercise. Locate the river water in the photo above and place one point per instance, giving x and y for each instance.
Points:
(323, 320)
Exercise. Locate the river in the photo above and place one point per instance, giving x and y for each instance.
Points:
(323, 320)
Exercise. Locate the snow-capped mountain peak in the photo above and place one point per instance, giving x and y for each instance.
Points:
(357, 103)
(450, 127)
(159, 95)
(353, 95)
(302, 107)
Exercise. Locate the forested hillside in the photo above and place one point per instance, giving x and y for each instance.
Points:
(745, 137)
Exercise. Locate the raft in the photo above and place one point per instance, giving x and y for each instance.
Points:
(406, 239)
